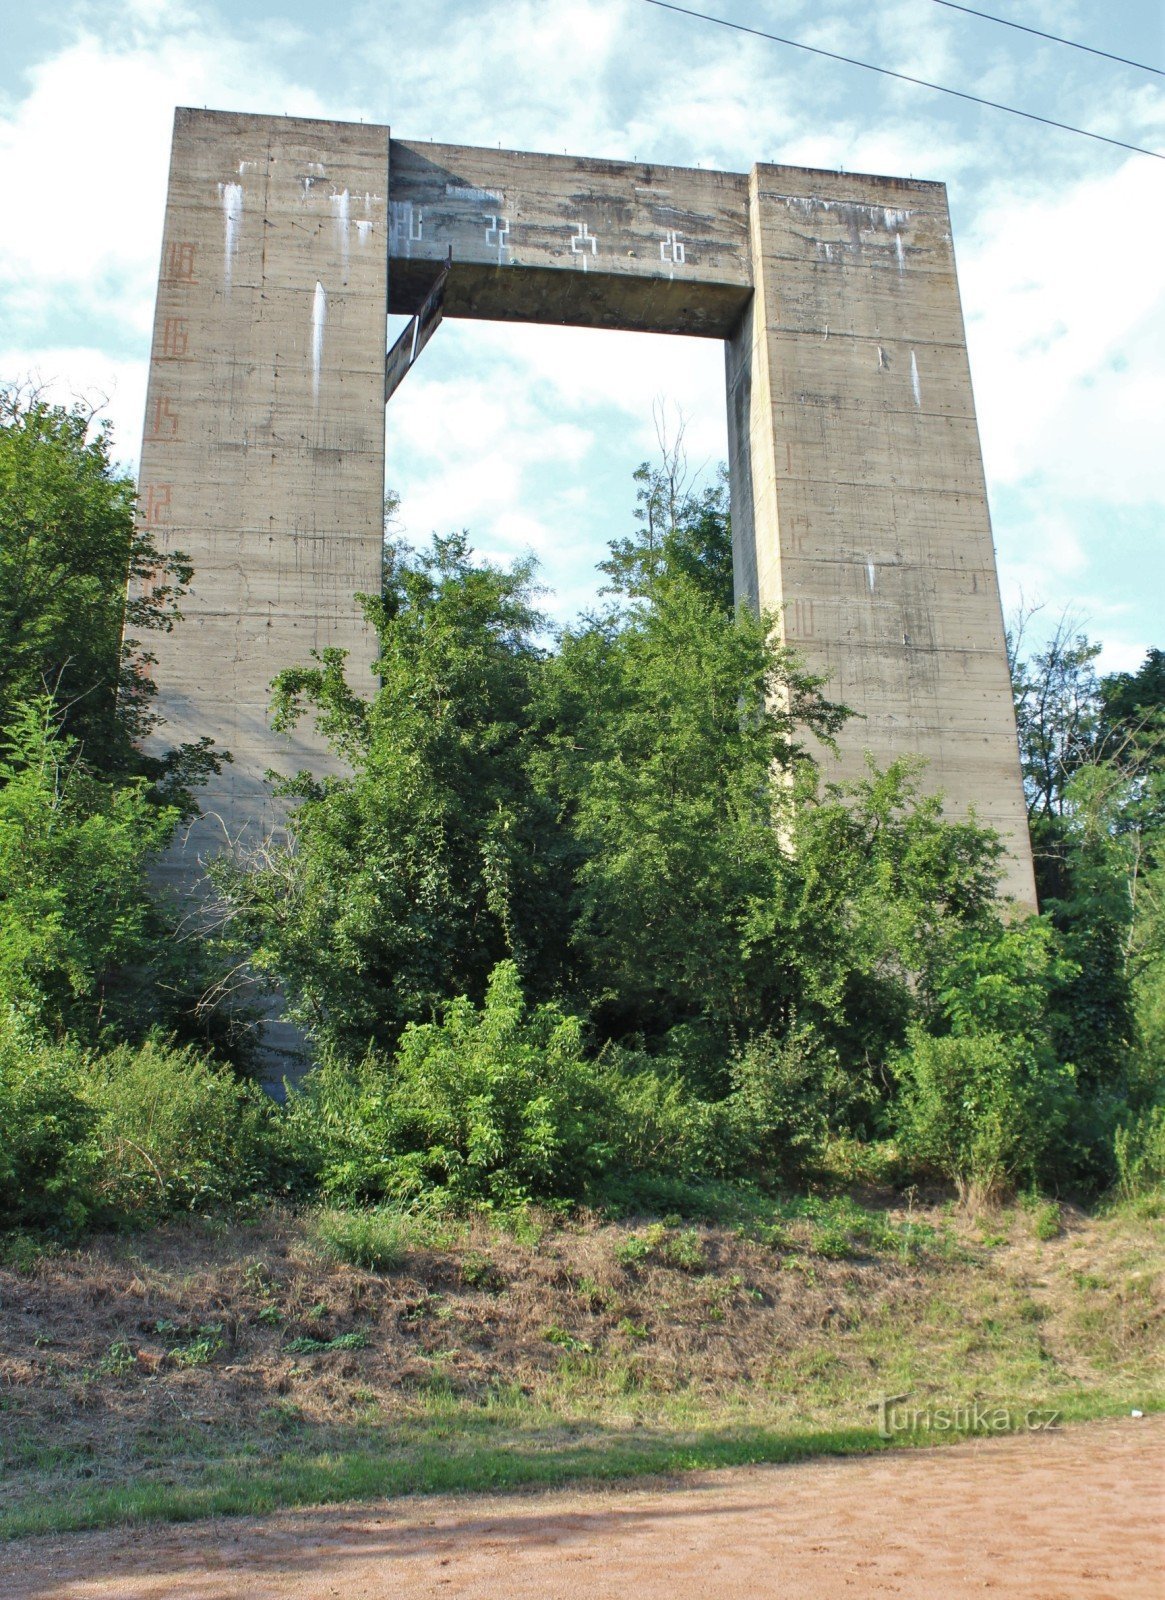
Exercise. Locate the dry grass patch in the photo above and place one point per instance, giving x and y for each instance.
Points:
(155, 1363)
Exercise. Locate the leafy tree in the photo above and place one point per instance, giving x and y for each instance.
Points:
(78, 928)
(409, 880)
(68, 545)
(1097, 828)
(1058, 710)
(672, 728)
(682, 533)
(981, 1110)
(885, 890)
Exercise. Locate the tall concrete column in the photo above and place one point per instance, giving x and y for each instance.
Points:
(858, 498)
(263, 456)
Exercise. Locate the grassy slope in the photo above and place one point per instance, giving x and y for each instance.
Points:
(179, 1374)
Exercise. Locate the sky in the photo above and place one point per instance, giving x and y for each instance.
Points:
(528, 436)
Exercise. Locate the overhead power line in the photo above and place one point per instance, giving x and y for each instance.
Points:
(1005, 22)
(904, 77)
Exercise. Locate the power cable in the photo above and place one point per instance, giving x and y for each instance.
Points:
(904, 77)
(1005, 22)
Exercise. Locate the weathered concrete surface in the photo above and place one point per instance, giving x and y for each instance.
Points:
(263, 456)
(859, 505)
(601, 244)
(858, 499)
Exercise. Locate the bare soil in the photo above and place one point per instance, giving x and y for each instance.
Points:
(1067, 1515)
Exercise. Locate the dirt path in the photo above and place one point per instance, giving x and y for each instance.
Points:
(1055, 1516)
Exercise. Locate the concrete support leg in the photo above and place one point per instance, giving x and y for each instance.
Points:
(263, 456)
(858, 500)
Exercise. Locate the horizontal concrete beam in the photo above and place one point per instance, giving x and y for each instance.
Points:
(601, 244)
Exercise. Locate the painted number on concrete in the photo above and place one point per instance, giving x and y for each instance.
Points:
(175, 339)
(155, 503)
(180, 262)
(671, 250)
(495, 233)
(163, 420)
(584, 243)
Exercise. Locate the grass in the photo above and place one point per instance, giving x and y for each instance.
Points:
(542, 1350)
(438, 1456)
(378, 1238)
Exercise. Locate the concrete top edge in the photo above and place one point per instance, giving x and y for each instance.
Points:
(841, 180)
(596, 164)
(811, 177)
(262, 116)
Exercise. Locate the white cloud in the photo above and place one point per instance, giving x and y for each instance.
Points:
(81, 374)
(1060, 293)
(83, 164)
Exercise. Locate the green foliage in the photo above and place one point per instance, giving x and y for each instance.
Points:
(786, 1093)
(1094, 761)
(124, 1138)
(1045, 1215)
(410, 880)
(582, 920)
(199, 1350)
(671, 731)
(980, 1110)
(75, 915)
(69, 544)
(48, 1155)
(492, 1106)
(1058, 709)
(176, 1133)
(682, 534)
(670, 1247)
(307, 1346)
(1139, 1154)
(377, 1238)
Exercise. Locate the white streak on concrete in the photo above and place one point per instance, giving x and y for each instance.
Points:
(460, 191)
(319, 317)
(364, 227)
(231, 195)
(901, 252)
(853, 211)
(871, 574)
(914, 383)
(341, 213)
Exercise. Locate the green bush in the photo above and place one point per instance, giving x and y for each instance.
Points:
(176, 1132)
(378, 1238)
(657, 1128)
(493, 1106)
(48, 1153)
(663, 1243)
(778, 1114)
(125, 1138)
(980, 1111)
(1139, 1152)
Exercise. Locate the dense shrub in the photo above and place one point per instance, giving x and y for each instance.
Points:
(980, 1111)
(785, 1096)
(48, 1155)
(124, 1138)
(1139, 1154)
(496, 1106)
(379, 1238)
(176, 1132)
